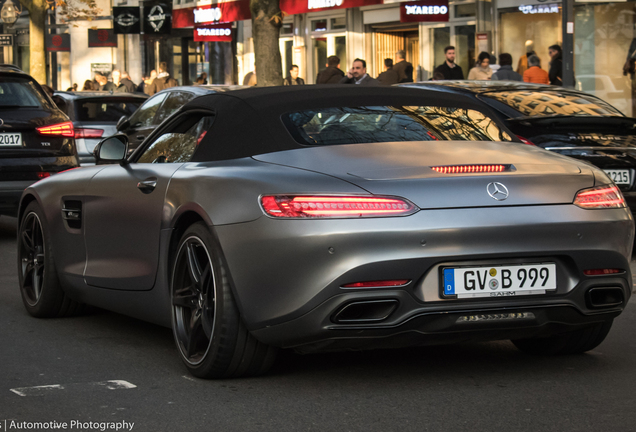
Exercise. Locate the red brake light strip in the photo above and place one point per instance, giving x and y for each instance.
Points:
(63, 129)
(289, 206)
(600, 197)
(461, 169)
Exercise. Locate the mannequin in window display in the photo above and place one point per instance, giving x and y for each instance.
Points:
(522, 66)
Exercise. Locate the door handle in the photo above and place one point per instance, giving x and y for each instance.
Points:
(147, 185)
(140, 137)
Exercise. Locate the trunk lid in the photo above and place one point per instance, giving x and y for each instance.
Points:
(534, 176)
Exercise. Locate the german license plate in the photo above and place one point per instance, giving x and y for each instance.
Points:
(619, 176)
(498, 281)
(11, 139)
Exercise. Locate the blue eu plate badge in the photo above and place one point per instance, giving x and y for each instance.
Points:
(449, 281)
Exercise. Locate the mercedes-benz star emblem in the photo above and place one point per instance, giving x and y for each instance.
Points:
(497, 191)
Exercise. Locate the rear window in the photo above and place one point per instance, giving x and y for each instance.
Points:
(20, 93)
(348, 125)
(551, 103)
(106, 110)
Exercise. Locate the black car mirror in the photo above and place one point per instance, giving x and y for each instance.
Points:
(123, 123)
(112, 149)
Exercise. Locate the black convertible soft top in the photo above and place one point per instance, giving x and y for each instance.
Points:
(248, 121)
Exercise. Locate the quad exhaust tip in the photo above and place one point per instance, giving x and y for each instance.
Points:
(604, 297)
(369, 311)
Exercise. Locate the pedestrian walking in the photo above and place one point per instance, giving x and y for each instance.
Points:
(163, 80)
(331, 75)
(449, 69)
(403, 68)
(292, 78)
(358, 75)
(556, 65)
(534, 73)
(103, 82)
(389, 76)
(482, 70)
(505, 72)
(88, 86)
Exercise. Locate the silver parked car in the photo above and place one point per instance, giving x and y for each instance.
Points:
(331, 218)
(95, 116)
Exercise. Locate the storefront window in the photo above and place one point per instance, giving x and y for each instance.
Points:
(341, 48)
(465, 10)
(441, 39)
(319, 25)
(338, 23)
(539, 29)
(602, 40)
(176, 61)
(320, 53)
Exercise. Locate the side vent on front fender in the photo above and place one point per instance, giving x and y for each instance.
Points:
(72, 214)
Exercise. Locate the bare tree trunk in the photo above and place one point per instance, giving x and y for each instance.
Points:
(37, 44)
(266, 23)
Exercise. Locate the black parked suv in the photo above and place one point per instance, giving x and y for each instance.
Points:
(36, 138)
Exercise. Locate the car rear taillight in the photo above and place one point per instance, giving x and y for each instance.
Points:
(526, 140)
(63, 129)
(601, 197)
(42, 175)
(320, 206)
(461, 169)
(378, 284)
(601, 272)
(88, 133)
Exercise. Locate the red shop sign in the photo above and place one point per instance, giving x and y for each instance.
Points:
(213, 33)
(293, 7)
(228, 11)
(424, 11)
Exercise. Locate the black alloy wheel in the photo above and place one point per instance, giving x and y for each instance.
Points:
(193, 300)
(31, 258)
(42, 294)
(210, 335)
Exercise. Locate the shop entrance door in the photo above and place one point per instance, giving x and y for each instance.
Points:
(388, 42)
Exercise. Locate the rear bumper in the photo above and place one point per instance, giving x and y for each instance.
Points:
(287, 274)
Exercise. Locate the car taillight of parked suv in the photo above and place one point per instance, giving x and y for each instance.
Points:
(36, 138)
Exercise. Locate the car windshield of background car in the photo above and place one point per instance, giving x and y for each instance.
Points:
(552, 103)
(20, 93)
(109, 111)
(145, 115)
(348, 125)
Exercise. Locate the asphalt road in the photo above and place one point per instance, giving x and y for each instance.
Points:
(108, 369)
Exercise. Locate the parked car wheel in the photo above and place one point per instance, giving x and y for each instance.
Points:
(576, 342)
(41, 292)
(210, 336)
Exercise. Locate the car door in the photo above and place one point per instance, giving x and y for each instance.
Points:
(125, 205)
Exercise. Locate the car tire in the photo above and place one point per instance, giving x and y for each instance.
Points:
(42, 294)
(575, 342)
(210, 335)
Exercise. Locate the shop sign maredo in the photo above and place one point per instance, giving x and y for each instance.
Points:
(424, 11)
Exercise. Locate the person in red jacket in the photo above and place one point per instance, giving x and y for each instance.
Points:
(534, 73)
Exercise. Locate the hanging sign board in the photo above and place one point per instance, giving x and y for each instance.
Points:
(6, 39)
(424, 11)
(213, 33)
(293, 7)
(58, 42)
(157, 18)
(102, 38)
(126, 20)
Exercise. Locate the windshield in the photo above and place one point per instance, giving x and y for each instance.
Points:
(106, 110)
(552, 103)
(20, 93)
(348, 125)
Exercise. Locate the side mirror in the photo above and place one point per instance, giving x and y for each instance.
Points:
(113, 149)
(122, 123)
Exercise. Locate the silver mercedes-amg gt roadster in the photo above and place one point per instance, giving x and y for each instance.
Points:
(326, 218)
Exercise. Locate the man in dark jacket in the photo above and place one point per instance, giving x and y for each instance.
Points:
(293, 78)
(358, 75)
(403, 68)
(556, 65)
(122, 82)
(389, 76)
(449, 69)
(163, 80)
(505, 72)
(331, 75)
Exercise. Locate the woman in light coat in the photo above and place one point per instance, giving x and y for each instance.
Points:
(482, 70)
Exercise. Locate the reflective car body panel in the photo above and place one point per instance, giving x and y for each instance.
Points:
(288, 275)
